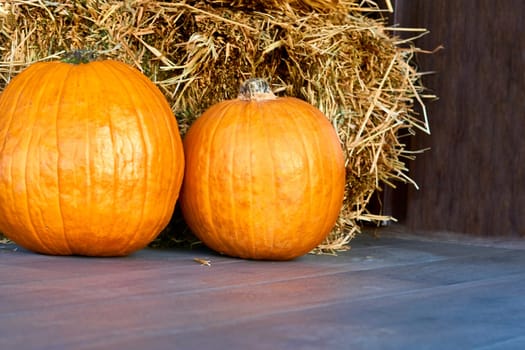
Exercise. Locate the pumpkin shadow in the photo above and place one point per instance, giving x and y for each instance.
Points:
(176, 234)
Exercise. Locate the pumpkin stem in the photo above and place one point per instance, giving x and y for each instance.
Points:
(256, 89)
(79, 56)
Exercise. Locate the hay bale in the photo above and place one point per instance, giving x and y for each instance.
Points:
(338, 55)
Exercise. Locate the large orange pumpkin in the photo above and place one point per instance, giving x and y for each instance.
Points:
(91, 159)
(264, 176)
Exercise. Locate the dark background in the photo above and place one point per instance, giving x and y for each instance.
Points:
(472, 180)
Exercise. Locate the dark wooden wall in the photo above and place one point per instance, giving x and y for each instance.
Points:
(473, 178)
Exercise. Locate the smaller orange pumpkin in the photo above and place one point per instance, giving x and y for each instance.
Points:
(264, 176)
(91, 159)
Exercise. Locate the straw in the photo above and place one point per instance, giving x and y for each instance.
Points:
(339, 55)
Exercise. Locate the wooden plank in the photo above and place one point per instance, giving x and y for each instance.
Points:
(464, 316)
(473, 179)
(157, 298)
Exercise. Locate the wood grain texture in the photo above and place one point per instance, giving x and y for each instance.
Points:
(393, 292)
(473, 178)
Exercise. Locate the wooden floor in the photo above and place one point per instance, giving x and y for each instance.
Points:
(399, 291)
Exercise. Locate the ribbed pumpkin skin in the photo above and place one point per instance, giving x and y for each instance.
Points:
(263, 179)
(91, 159)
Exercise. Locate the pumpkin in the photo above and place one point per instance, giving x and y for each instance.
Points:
(264, 176)
(91, 158)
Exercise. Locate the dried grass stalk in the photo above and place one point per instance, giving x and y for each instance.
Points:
(336, 54)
